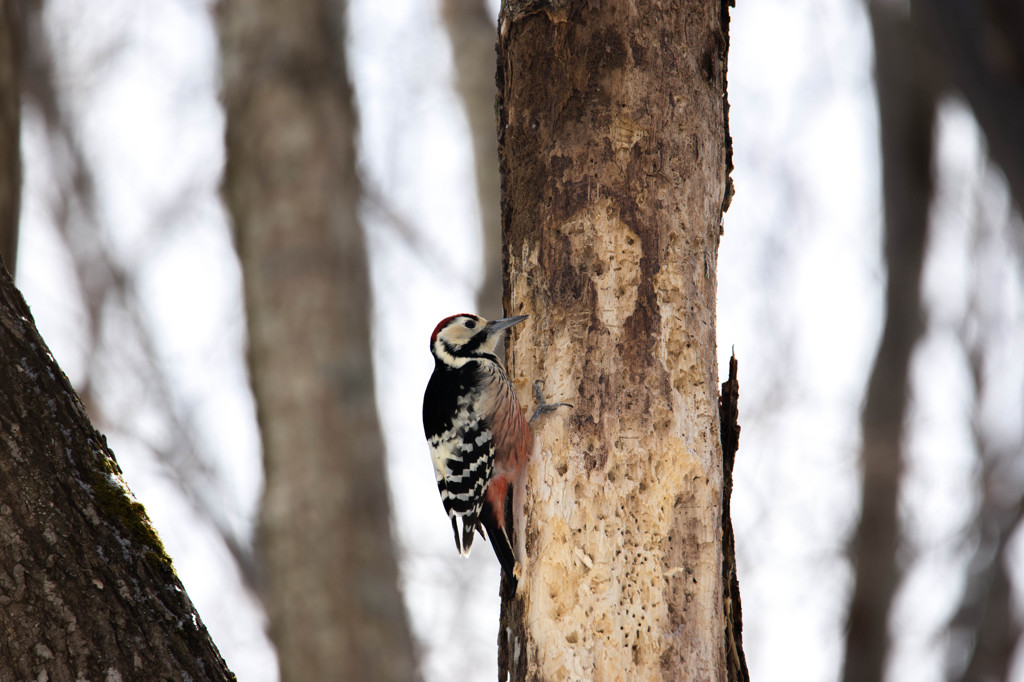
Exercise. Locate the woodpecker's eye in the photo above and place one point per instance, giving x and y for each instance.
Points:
(470, 324)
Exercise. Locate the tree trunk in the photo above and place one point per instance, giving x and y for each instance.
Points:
(86, 590)
(613, 148)
(906, 103)
(978, 46)
(11, 29)
(331, 584)
(471, 29)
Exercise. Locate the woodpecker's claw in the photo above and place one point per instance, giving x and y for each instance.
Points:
(542, 406)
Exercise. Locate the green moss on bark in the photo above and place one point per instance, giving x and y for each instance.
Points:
(116, 505)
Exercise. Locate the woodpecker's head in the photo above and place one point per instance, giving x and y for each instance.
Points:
(460, 338)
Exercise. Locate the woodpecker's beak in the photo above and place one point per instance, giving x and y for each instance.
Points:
(504, 323)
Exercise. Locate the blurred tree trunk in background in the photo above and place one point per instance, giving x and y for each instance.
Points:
(87, 591)
(291, 186)
(978, 46)
(906, 103)
(987, 610)
(614, 153)
(11, 35)
(978, 50)
(472, 31)
(972, 48)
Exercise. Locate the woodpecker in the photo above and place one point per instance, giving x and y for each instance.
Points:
(479, 439)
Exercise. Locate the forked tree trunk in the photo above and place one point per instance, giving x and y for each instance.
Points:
(613, 146)
(86, 590)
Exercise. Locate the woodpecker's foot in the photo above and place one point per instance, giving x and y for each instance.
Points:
(542, 406)
(517, 572)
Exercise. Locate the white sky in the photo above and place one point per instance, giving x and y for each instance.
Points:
(799, 298)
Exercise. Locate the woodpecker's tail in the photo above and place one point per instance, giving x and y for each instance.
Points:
(464, 528)
(502, 548)
(469, 524)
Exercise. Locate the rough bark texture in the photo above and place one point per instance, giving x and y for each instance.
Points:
(613, 149)
(86, 590)
(331, 582)
(471, 28)
(11, 27)
(906, 102)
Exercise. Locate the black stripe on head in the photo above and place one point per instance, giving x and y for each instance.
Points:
(470, 349)
(475, 342)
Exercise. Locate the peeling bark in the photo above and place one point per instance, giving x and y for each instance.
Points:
(728, 414)
(613, 149)
(86, 589)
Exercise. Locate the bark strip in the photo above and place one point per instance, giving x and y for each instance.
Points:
(728, 414)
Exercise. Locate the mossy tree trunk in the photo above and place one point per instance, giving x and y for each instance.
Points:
(291, 185)
(86, 590)
(614, 161)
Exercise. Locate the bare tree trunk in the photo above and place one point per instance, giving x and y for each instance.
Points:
(11, 30)
(613, 149)
(979, 47)
(472, 32)
(86, 589)
(331, 584)
(906, 102)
